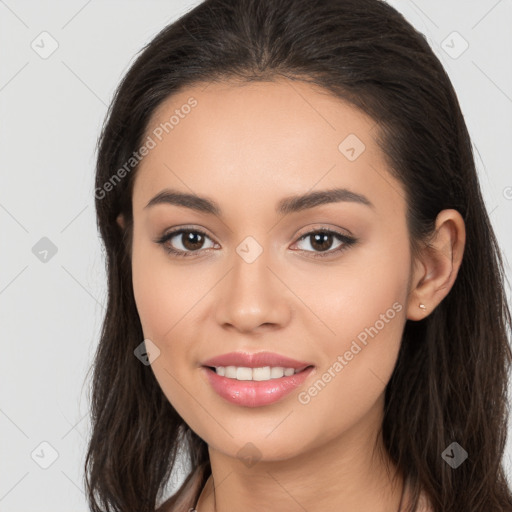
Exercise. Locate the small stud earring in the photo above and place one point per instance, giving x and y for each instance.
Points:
(423, 307)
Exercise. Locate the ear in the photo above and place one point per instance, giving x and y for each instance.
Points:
(121, 221)
(436, 268)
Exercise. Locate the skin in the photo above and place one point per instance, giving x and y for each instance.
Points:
(258, 143)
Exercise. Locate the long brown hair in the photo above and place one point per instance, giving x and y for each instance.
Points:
(450, 380)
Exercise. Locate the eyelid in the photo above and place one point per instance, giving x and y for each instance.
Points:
(175, 231)
(316, 227)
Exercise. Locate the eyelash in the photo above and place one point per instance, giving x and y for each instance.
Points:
(347, 242)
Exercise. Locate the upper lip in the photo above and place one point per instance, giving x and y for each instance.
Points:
(256, 360)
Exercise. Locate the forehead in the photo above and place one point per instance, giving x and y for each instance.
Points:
(263, 140)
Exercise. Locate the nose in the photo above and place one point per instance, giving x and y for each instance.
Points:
(252, 297)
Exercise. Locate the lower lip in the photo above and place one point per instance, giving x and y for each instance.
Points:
(248, 393)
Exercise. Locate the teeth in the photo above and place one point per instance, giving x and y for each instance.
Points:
(243, 373)
(258, 374)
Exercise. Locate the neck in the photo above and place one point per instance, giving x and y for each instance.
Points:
(348, 473)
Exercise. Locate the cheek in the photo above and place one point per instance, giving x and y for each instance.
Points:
(363, 305)
(352, 295)
(350, 385)
(160, 289)
(148, 286)
(167, 303)
(161, 300)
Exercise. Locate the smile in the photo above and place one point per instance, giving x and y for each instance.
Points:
(258, 374)
(255, 387)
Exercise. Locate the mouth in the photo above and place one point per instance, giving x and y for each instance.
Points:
(259, 374)
(255, 387)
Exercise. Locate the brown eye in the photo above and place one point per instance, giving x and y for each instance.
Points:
(321, 241)
(184, 242)
(192, 240)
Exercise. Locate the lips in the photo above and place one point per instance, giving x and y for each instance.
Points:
(256, 360)
(250, 393)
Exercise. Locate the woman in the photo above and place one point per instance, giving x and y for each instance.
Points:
(305, 291)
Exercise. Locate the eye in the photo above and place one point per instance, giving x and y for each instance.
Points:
(190, 239)
(322, 240)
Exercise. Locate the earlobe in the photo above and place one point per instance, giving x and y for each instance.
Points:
(440, 263)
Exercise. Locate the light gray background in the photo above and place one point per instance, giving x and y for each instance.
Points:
(51, 111)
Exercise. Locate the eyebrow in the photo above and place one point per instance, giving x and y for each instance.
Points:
(291, 204)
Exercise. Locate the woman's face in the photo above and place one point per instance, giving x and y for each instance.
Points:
(253, 282)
